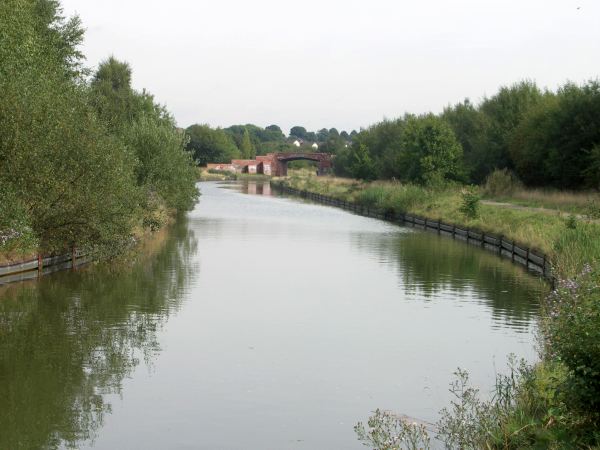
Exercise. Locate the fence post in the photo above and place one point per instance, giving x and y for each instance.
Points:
(544, 265)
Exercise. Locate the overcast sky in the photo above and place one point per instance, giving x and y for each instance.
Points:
(342, 64)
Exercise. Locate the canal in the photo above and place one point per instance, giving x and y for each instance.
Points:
(258, 322)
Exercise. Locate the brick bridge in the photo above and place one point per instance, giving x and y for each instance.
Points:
(276, 163)
(279, 161)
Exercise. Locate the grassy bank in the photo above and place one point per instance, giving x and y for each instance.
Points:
(570, 242)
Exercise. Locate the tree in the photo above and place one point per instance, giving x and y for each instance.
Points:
(274, 128)
(504, 112)
(209, 145)
(163, 166)
(420, 149)
(246, 148)
(298, 132)
(554, 144)
(322, 135)
(469, 125)
(431, 151)
(73, 180)
(360, 164)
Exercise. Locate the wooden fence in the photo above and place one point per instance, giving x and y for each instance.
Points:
(532, 259)
(42, 265)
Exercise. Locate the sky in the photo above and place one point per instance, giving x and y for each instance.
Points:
(343, 64)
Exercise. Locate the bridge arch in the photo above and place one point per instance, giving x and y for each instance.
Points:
(281, 160)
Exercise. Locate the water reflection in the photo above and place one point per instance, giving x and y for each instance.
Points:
(253, 187)
(431, 267)
(71, 338)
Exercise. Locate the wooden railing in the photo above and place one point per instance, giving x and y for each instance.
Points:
(42, 265)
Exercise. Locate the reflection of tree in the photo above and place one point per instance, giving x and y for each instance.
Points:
(69, 339)
(428, 265)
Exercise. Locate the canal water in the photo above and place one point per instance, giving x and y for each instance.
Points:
(259, 322)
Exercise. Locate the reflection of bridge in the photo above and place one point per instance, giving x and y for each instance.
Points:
(276, 163)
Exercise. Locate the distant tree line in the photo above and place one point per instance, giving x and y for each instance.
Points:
(84, 158)
(546, 138)
(220, 145)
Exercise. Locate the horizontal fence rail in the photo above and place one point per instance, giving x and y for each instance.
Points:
(42, 265)
(532, 259)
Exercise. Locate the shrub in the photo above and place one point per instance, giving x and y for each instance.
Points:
(470, 203)
(387, 431)
(501, 183)
(572, 332)
(571, 222)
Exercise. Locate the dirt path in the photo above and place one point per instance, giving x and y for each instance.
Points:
(535, 209)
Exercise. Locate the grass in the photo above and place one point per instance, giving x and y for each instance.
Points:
(568, 248)
(584, 203)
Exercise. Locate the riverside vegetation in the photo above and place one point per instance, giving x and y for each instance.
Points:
(85, 160)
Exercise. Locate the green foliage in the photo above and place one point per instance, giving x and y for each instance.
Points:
(470, 203)
(15, 227)
(163, 166)
(208, 145)
(388, 431)
(67, 176)
(431, 142)
(555, 144)
(469, 124)
(419, 149)
(396, 198)
(526, 410)
(299, 132)
(504, 112)
(501, 183)
(360, 164)
(246, 148)
(571, 222)
(572, 332)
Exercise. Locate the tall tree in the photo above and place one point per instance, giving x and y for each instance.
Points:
(209, 145)
(246, 148)
(298, 132)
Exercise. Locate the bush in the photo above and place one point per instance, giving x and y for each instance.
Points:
(572, 331)
(470, 203)
(397, 197)
(501, 183)
(386, 431)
